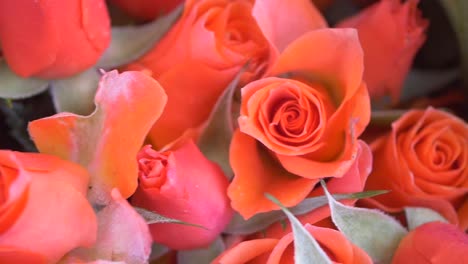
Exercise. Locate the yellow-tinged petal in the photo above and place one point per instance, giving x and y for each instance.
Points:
(107, 141)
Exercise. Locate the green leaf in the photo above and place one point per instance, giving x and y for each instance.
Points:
(306, 248)
(385, 117)
(15, 87)
(457, 11)
(416, 216)
(157, 251)
(15, 116)
(258, 222)
(423, 82)
(201, 255)
(216, 137)
(76, 94)
(375, 232)
(130, 42)
(155, 218)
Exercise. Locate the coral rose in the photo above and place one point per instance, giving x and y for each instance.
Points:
(41, 197)
(272, 250)
(295, 131)
(423, 162)
(211, 42)
(58, 38)
(209, 45)
(184, 185)
(390, 33)
(435, 243)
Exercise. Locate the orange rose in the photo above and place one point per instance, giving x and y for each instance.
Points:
(293, 132)
(423, 161)
(43, 208)
(435, 243)
(208, 46)
(390, 33)
(272, 250)
(184, 185)
(53, 38)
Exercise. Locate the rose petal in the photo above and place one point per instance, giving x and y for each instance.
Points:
(123, 235)
(53, 201)
(435, 242)
(176, 119)
(281, 30)
(256, 173)
(463, 215)
(127, 105)
(336, 59)
(247, 251)
(11, 255)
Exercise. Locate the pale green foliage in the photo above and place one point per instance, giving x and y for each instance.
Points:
(76, 94)
(201, 255)
(15, 87)
(218, 130)
(306, 248)
(260, 221)
(416, 216)
(131, 42)
(375, 232)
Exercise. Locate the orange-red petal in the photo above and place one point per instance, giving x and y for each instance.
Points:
(256, 173)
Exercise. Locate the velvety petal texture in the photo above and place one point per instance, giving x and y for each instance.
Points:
(423, 162)
(53, 38)
(182, 184)
(391, 32)
(123, 236)
(38, 192)
(301, 126)
(273, 251)
(435, 243)
(107, 141)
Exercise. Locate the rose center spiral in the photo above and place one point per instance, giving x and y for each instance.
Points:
(152, 167)
(294, 118)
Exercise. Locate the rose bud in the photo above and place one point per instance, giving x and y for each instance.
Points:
(53, 38)
(146, 9)
(43, 208)
(423, 162)
(182, 184)
(390, 33)
(273, 250)
(435, 243)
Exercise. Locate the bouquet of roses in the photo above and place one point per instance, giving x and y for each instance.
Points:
(233, 131)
